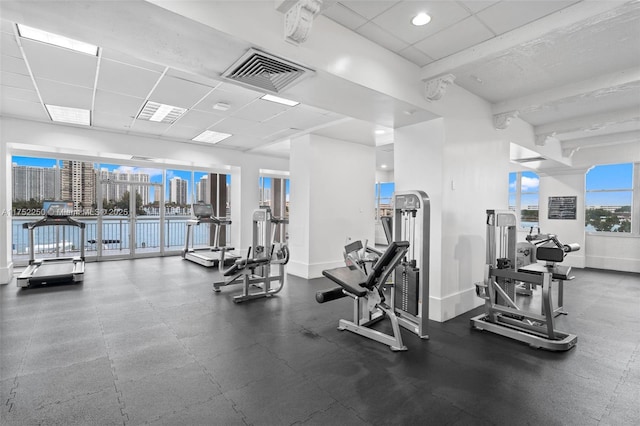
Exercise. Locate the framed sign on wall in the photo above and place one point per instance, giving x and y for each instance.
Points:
(562, 207)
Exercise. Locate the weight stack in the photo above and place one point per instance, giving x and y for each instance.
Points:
(406, 288)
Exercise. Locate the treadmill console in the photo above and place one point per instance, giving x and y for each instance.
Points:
(58, 209)
(202, 210)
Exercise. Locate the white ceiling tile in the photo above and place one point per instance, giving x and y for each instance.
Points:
(56, 93)
(344, 16)
(300, 118)
(14, 65)
(260, 110)
(460, 36)
(367, 8)
(199, 119)
(477, 5)
(149, 127)
(9, 46)
(26, 95)
(21, 81)
(130, 60)
(126, 79)
(416, 56)
(397, 20)
(58, 64)
(18, 108)
(508, 15)
(178, 92)
(115, 103)
(106, 120)
(182, 132)
(376, 34)
(239, 142)
(237, 126)
(236, 99)
(193, 78)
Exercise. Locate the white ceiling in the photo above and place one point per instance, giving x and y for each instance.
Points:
(570, 68)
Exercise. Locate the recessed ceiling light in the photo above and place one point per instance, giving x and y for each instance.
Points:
(211, 137)
(384, 166)
(56, 40)
(282, 101)
(380, 132)
(160, 113)
(69, 115)
(221, 106)
(420, 19)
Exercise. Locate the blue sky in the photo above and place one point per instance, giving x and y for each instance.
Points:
(618, 176)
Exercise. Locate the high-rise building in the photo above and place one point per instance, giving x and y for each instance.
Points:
(113, 188)
(37, 183)
(78, 183)
(178, 191)
(203, 189)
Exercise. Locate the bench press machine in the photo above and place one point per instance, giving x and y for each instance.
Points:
(256, 270)
(368, 296)
(502, 314)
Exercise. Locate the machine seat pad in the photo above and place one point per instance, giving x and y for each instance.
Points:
(559, 272)
(241, 264)
(352, 280)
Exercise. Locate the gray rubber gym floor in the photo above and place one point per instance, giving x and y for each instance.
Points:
(148, 342)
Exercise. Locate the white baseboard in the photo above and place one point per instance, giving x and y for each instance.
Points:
(613, 263)
(311, 271)
(6, 274)
(452, 305)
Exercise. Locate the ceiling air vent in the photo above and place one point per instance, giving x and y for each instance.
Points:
(260, 70)
(528, 160)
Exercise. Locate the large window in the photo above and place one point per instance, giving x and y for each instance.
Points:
(609, 198)
(384, 198)
(523, 197)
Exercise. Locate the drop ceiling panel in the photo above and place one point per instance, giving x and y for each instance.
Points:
(178, 92)
(382, 37)
(28, 110)
(182, 132)
(416, 56)
(22, 81)
(477, 5)
(130, 60)
(9, 46)
(240, 143)
(368, 9)
(105, 120)
(199, 119)
(115, 103)
(55, 93)
(508, 15)
(126, 79)
(149, 127)
(455, 38)
(260, 110)
(235, 99)
(344, 16)
(300, 118)
(64, 65)
(26, 95)
(397, 20)
(193, 78)
(237, 126)
(14, 65)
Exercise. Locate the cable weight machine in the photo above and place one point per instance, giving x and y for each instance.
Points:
(410, 296)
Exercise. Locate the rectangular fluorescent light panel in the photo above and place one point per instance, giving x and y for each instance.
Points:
(282, 101)
(211, 137)
(56, 40)
(160, 113)
(69, 115)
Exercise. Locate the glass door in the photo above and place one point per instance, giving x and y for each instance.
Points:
(114, 238)
(147, 217)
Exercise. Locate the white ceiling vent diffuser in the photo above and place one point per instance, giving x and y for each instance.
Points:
(260, 70)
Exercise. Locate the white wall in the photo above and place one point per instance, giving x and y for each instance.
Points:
(461, 162)
(560, 184)
(614, 252)
(73, 142)
(330, 199)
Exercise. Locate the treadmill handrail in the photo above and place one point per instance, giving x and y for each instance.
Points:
(54, 221)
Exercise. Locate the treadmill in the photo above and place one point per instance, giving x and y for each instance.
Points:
(58, 269)
(206, 256)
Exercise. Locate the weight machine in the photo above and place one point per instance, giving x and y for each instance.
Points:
(502, 314)
(257, 270)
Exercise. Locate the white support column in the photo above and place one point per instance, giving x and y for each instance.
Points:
(331, 198)
(6, 263)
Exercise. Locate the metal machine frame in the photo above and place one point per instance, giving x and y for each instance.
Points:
(59, 269)
(257, 271)
(209, 256)
(410, 297)
(367, 293)
(502, 315)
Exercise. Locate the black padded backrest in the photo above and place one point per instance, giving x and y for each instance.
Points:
(384, 261)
